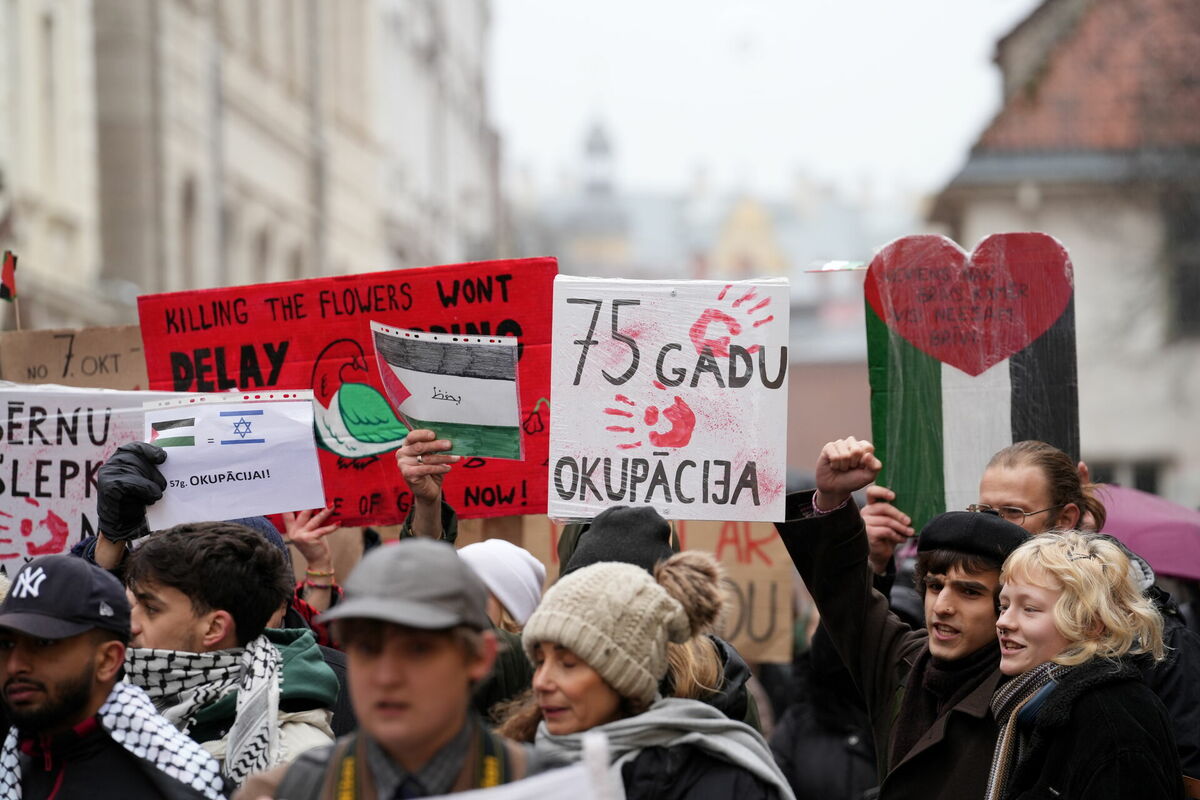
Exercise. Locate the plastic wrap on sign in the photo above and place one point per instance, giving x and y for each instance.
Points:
(967, 353)
(671, 394)
(315, 334)
(53, 440)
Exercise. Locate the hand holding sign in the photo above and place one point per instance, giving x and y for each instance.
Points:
(127, 483)
(423, 462)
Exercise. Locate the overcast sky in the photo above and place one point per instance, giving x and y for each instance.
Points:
(753, 92)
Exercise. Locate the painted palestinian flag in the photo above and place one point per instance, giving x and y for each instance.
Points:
(174, 432)
(462, 387)
(967, 354)
(8, 277)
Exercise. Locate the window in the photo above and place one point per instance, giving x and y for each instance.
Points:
(1181, 209)
(1145, 475)
(187, 234)
(261, 268)
(49, 136)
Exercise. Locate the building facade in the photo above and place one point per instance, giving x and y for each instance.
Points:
(1098, 144)
(204, 143)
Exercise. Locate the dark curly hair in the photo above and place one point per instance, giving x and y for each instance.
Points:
(219, 566)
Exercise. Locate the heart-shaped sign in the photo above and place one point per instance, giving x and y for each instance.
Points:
(971, 311)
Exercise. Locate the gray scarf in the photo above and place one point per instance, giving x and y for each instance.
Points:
(180, 684)
(667, 723)
(1006, 705)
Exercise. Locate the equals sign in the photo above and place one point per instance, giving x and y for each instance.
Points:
(210, 441)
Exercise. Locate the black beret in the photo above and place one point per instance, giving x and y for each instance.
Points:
(636, 535)
(975, 532)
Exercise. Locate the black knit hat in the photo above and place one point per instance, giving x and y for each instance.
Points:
(636, 535)
(975, 532)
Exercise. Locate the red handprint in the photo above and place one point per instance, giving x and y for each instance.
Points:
(679, 414)
(56, 525)
(745, 306)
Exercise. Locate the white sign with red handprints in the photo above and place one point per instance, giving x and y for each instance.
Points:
(53, 440)
(671, 394)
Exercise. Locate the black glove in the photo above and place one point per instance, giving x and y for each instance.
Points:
(127, 483)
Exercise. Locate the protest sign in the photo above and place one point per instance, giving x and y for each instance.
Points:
(246, 454)
(968, 353)
(671, 394)
(463, 388)
(100, 358)
(758, 578)
(315, 334)
(590, 777)
(53, 440)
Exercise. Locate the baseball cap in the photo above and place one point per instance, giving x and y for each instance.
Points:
(419, 583)
(984, 535)
(53, 597)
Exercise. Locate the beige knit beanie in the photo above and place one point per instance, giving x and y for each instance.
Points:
(618, 618)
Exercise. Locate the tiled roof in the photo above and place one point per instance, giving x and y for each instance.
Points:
(1127, 77)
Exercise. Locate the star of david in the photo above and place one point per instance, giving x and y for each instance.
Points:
(242, 427)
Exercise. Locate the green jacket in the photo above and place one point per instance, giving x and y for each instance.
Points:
(307, 683)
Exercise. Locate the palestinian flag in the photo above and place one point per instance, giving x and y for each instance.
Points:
(462, 387)
(173, 432)
(8, 277)
(967, 353)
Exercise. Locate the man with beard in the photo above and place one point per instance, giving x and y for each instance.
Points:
(76, 731)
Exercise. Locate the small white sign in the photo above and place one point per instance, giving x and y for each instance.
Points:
(235, 455)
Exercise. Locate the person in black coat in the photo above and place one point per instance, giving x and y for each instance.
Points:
(823, 740)
(1076, 720)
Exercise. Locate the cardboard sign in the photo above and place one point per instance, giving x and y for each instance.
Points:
(246, 455)
(99, 358)
(315, 334)
(968, 353)
(53, 440)
(758, 578)
(671, 394)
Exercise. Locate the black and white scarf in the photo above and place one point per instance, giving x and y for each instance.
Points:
(129, 718)
(1006, 706)
(180, 684)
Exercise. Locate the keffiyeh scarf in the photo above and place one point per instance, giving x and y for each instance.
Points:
(180, 684)
(130, 719)
(1006, 707)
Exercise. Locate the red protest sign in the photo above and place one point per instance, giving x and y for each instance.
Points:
(971, 311)
(315, 334)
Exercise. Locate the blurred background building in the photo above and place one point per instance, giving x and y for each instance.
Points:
(1098, 143)
(170, 144)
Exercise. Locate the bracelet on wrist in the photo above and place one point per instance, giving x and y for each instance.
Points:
(315, 585)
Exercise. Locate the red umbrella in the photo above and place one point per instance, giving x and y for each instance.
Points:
(1166, 534)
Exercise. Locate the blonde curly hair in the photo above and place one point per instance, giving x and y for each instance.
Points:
(1100, 610)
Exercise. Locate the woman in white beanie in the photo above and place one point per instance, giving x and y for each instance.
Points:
(514, 579)
(598, 643)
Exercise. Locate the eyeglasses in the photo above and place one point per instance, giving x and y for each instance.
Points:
(1010, 513)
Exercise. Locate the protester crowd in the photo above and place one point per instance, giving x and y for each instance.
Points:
(189, 662)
